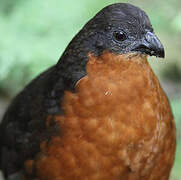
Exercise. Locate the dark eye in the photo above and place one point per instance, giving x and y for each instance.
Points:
(119, 35)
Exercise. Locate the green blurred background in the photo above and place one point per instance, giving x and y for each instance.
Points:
(33, 35)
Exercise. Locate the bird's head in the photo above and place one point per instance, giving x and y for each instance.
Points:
(120, 28)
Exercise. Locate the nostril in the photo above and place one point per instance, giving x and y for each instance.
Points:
(149, 36)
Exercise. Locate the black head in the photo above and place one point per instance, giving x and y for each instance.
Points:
(120, 28)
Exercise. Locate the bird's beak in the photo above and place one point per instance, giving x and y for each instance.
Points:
(150, 45)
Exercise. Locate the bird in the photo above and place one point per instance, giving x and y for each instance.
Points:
(100, 113)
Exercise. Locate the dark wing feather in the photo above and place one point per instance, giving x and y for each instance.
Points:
(24, 121)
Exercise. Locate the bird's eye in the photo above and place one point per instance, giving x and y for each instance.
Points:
(119, 35)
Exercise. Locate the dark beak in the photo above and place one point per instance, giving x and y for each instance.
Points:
(150, 45)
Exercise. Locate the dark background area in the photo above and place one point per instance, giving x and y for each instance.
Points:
(33, 35)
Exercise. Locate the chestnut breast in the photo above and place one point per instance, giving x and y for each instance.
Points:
(116, 125)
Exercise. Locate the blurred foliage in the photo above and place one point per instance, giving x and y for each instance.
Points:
(176, 106)
(7, 6)
(172, 72)
(177, 22)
